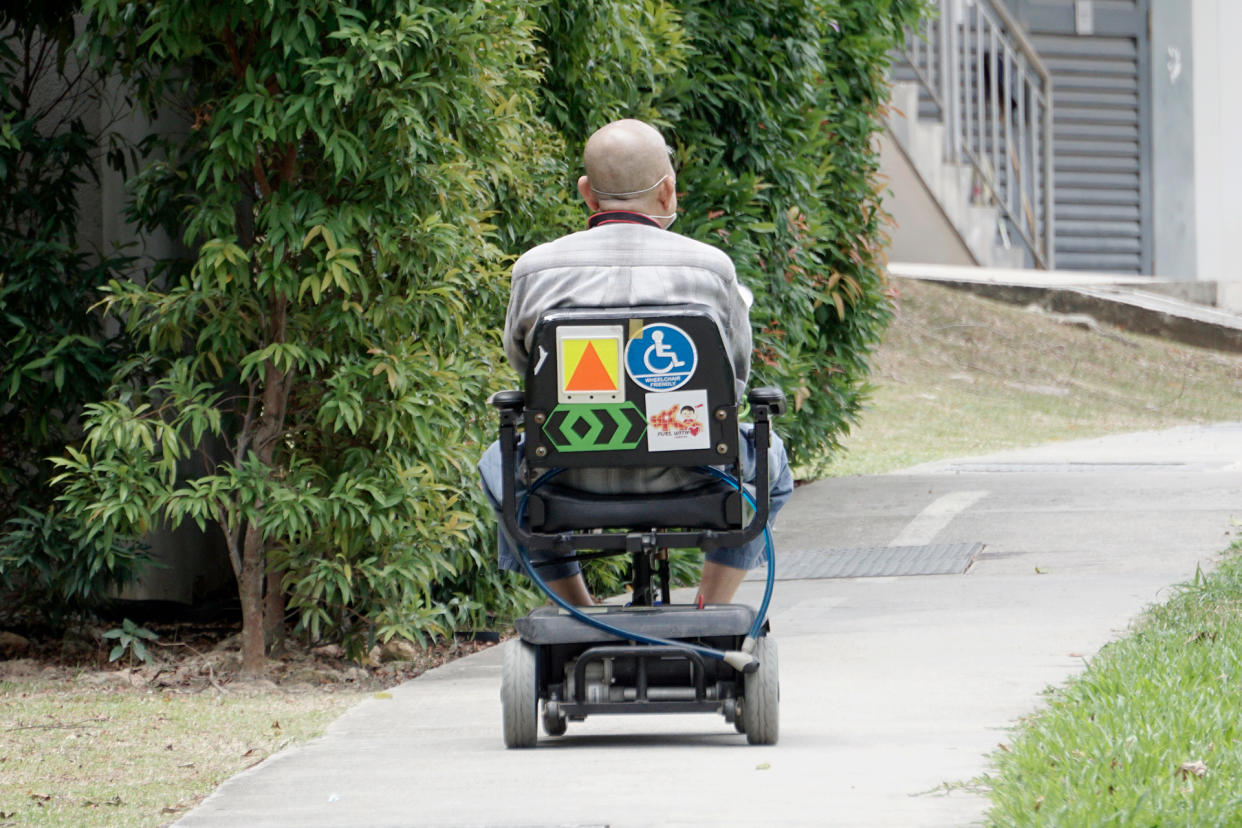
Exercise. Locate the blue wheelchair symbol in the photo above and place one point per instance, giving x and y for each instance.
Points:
(661, 358)
(662, 353)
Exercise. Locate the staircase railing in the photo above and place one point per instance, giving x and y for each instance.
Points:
(982, 78)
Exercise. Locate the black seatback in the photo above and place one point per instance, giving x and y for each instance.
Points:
(626, 387)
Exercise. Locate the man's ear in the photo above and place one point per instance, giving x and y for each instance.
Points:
(588, 195)
(668, 194)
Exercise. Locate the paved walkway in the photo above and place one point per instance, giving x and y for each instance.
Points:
(894, 689)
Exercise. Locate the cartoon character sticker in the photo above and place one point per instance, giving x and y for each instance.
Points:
(677, 421)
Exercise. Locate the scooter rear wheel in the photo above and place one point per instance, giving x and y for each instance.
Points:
(519, 695)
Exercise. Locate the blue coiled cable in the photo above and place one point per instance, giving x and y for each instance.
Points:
(767, 537)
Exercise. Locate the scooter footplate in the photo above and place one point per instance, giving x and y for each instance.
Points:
(552, 625)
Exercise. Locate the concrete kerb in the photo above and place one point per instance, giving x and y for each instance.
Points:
(1171, 310)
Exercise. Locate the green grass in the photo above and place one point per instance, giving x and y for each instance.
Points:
(1150, 735)
(959, 375)
(1119, 746)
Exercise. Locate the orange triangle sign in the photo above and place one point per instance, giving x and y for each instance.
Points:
(590, 373)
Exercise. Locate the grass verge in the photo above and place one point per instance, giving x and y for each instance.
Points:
(78, 754)
(1150, 734)
(959, 375)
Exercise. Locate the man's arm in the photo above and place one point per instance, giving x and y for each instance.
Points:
(741, 342)
(517, 326)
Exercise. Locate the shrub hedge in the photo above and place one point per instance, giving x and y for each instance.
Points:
(356, 179)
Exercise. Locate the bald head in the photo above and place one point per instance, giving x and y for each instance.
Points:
(628, 168)
(625, 157)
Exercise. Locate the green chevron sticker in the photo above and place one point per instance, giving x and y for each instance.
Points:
(595, 427)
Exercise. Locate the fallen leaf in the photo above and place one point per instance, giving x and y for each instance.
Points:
(762, 766)
(383, 695)
(250, 752)
(328, 651)
(1196, 768)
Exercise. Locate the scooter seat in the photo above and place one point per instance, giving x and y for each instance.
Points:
(715, 505)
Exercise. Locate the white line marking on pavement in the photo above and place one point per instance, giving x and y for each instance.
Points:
(932, 520)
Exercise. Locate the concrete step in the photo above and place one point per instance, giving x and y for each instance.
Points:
(1143, 305)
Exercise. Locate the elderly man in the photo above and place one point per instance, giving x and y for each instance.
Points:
(627, 258)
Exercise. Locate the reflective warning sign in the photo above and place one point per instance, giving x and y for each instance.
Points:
(589, 364)
(595, 427)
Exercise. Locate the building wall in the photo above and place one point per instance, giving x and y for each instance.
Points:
(919, 231)
(1216, 25)
(1173, 79)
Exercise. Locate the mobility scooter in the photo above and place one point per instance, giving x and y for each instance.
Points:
(629, 388)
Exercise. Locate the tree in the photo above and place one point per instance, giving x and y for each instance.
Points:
(351, 184)
(330, 332)
(771, 107)
(777, 116)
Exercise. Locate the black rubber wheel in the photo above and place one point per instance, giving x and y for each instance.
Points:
(761, 714)
(554, 721)
(519, 695)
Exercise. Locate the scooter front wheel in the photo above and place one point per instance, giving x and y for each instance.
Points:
(761, 715)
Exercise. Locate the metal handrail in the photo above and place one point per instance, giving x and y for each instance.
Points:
(994, 97)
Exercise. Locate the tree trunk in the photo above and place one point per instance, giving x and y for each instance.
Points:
(250, 588)
(274, 615)
(256, 623)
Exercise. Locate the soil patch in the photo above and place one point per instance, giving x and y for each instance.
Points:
(195, 657)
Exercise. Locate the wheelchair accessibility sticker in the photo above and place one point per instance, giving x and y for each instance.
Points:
(677, 421)
(588, 365)
(661, 358)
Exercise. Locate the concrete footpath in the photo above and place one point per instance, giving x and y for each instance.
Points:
(894, 689)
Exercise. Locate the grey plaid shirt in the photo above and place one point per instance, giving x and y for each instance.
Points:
(626, 264)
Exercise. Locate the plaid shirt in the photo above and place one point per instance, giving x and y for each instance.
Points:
(626, 261)
(624, 265)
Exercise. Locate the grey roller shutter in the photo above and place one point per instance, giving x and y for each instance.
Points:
(1101, 137)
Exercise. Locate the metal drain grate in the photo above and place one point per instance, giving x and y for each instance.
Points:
(936, 559)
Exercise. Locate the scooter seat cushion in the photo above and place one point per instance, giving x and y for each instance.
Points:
(558, 509)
